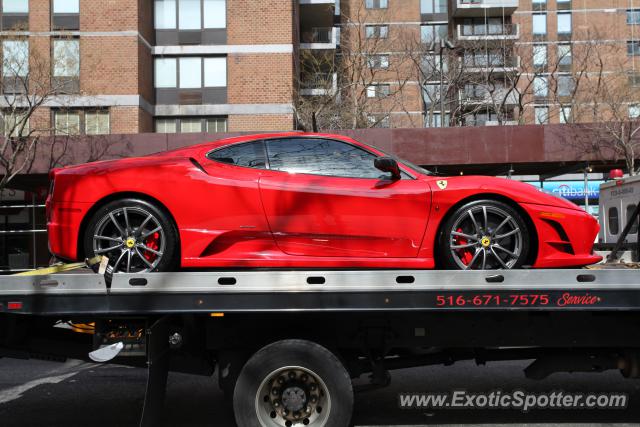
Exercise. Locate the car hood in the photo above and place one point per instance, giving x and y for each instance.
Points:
(520, 192)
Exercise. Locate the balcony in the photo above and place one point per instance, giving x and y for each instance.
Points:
(470, 8)
(319, 38)
(494, 65)
(482, 97)
(319, 84)
(488, 32)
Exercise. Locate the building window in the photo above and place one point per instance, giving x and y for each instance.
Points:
(634, 79)
(66, 65)
(378, 91)
(378, 121)
(165, 14)
(15, 66)
(633, 48)
(165, 72)
(166, 126)
(634, 111)
(96, 122)
(541, 115)
(191, 124)
(66, 122)
(215, 14)
(216, 125)
(15, 6)
(15, 123)
(434, 120)
(433, 33)
(433, 6)
(633, 16)
(540, 86)
(540, 55)
(539, 24)
(377, 31)
(564, 23)
(190, 72)
(565, 114)
(66, 6)
(376, 4)
(66, 14)
(481, 27)
(566, 85)
(190, 14)
(15, 58)
(378, 61)
(564, 54)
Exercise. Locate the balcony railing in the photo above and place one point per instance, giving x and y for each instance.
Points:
(319, 38)
(495, 64)
(319, 84)
(479, 7)
(488, 32)
(480, 96)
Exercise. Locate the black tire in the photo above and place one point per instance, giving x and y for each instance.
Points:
(456, 258)
(317, 362)
(170, 255)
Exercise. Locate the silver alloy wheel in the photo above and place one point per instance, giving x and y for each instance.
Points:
(485, 237)
(132, 238)
(292, 396)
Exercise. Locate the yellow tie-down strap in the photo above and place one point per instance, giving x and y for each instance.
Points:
(59, 268)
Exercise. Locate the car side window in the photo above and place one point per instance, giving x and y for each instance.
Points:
(249, 154)
(321, 157)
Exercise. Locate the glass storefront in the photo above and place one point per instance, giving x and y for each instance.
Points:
(23, 231)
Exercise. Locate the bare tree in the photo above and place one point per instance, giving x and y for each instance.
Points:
(28, 85)
(360, 84)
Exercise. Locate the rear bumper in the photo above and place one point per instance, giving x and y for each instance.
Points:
(63, 225)
(565, 236)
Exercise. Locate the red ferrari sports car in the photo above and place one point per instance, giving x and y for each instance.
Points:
(295, 200)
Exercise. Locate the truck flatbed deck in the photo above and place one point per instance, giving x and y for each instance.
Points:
(312, 290)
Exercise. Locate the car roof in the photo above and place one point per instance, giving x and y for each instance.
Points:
(210, 145)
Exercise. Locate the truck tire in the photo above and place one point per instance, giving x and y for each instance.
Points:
(293, 383)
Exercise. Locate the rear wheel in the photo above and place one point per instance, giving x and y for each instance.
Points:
(293, 383)
(484, 235)
(134, 234)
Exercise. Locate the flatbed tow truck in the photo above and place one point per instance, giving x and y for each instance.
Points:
(285, 344)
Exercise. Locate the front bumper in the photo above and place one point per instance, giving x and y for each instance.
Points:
(565, 236)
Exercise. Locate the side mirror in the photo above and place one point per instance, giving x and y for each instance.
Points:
(388, 164)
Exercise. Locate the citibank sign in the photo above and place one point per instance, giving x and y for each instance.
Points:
(571, 190)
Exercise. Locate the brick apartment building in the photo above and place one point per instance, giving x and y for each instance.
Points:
(234, 65)
(166, 65)
(541, 48)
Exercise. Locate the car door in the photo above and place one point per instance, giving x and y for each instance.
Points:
(324, 197)
(226, 218)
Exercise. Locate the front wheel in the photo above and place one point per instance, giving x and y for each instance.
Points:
(484, 235)
(293, 383)
(134, 234)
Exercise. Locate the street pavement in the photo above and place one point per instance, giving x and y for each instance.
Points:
(79, 394)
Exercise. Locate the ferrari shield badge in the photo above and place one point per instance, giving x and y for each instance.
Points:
(442, 183)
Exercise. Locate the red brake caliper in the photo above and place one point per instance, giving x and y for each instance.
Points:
(152, 243)
(465, 254)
